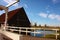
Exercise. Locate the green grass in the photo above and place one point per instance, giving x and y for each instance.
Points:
(50, 36)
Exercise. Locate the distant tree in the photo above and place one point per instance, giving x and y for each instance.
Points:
(45, 25)
(39, 25)
(35, 24)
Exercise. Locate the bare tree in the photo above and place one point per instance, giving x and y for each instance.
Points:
(45, 25)
(39, 25)
(35, 24)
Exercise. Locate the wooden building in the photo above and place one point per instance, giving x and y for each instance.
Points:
(16, 18)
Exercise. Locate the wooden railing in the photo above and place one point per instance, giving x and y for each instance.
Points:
(26, 30)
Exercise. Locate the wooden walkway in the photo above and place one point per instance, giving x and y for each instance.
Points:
(11, 35)
(4, 37)
(33, 38)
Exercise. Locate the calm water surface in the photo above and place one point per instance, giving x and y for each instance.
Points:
(42, 33)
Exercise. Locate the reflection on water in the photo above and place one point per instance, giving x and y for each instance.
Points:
(42, 33)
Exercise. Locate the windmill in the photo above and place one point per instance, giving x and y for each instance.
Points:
(6, 10)
(12, 3)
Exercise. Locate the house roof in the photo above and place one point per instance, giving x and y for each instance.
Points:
(10, 15)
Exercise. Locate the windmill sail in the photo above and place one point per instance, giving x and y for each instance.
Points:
(10, 4)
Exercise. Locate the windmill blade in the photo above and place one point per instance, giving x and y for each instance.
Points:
(12, 3)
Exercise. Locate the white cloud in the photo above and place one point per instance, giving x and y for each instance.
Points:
(47, 8)
(58, 17)
(52, 16)
(43, 15)
(10, 2)
(55, 1)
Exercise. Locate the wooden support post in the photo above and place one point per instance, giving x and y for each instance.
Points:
(26, 31)
(19, 30)
(44, 32)
(56, 34)
(34, 32)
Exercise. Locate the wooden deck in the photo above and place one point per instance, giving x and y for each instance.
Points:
(34, 38)
(4, 37)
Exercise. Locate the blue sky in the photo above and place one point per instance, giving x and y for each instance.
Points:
(38, 11)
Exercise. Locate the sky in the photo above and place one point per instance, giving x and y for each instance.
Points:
(38, 11)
